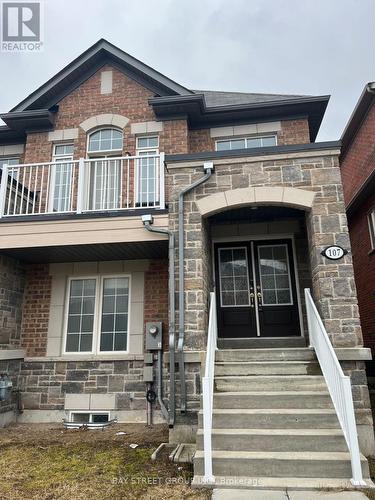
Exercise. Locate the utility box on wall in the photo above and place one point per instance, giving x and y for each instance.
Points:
(154, 336)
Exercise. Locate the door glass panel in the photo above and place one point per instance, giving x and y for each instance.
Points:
(274, 275)
(234, 277)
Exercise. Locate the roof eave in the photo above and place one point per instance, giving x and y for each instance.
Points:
(359, 113)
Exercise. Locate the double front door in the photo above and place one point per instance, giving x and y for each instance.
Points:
(256, 289)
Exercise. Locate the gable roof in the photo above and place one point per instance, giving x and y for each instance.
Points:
(171, 100)
(86, 65)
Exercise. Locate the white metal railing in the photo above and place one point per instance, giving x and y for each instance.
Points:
(85, 185)
(339, 385)
(208, 390)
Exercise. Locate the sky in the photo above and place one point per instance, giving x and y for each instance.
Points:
(313, 47)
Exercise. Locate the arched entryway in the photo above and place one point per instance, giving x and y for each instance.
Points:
(259, 262)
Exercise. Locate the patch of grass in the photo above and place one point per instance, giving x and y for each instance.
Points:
(89, 466)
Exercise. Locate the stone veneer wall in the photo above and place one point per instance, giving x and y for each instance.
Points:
(332, 282)
(44, 384)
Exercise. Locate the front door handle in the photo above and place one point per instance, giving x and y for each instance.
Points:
(252, 298)
(259, 297)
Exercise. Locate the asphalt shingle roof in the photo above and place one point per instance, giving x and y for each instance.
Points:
(216, 98)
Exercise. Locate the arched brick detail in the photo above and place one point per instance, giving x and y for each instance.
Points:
(236, 198)
(107, 119)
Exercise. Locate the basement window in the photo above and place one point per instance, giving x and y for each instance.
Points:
(371, 223)
(87, 417)
(246, 142)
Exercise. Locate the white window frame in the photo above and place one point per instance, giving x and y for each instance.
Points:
(143, 152)
(60, 158)
(291, 303)
(91, 413)
(371, 226)
(246, 138)
(108, 152)
(96, 335)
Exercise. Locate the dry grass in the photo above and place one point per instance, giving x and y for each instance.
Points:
(44, 462)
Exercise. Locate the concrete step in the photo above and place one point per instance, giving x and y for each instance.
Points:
(267, 368)
(261, 342)
(272, 419)
(279, 464)
(329, 440)
(269, 383)
(276, 354)
(272, 399)
(277, 483)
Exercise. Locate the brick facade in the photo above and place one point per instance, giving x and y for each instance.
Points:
(156, 296)
(35, 314)
(359, 159)
(364, 268)
(357, 164)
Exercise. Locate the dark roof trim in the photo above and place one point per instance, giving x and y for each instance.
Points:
(365, 191)
(9, 136)
(38, 119)
(97, 55)
(270, 150)
(202, 116)
(358, 115)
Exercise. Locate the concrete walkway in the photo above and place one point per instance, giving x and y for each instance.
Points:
(228, 494)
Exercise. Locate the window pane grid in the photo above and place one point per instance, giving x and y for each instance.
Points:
(105, 140)
(80, 325)
(234, 277)
(246, 143)
(114, 321)
(274, 275)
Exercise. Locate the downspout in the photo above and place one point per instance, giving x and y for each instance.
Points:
(168, 415)
(208, 169)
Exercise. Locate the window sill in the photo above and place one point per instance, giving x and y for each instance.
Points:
(88, 357)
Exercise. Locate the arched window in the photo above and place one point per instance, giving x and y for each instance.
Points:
(105, 142)
(105, 172)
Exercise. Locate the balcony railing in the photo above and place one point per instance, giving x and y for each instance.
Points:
(85, 185)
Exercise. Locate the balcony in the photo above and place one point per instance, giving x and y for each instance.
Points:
(129, 183)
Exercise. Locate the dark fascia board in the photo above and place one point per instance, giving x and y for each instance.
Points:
(238, 153)
(98, 54)
(366, 190)
(9, 136)
(201, 116)
(39, 119)
(358, 115)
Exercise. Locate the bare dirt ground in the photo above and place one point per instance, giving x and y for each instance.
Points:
(46, 462)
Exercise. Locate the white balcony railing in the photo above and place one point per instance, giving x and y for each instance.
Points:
(208, 390)
(85, 185)
(339, 385)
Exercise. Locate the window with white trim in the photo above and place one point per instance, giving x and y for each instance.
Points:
(10, 161)
(85, 417)
(61, 178)
(246, 142)
(147, 170)
(97, 314)
(105, 173)
(371, 222)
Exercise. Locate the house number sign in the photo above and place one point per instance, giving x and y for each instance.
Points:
(334, 252)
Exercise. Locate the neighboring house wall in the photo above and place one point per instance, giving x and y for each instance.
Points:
(364, 268)
(357, 164)
(359, 159)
